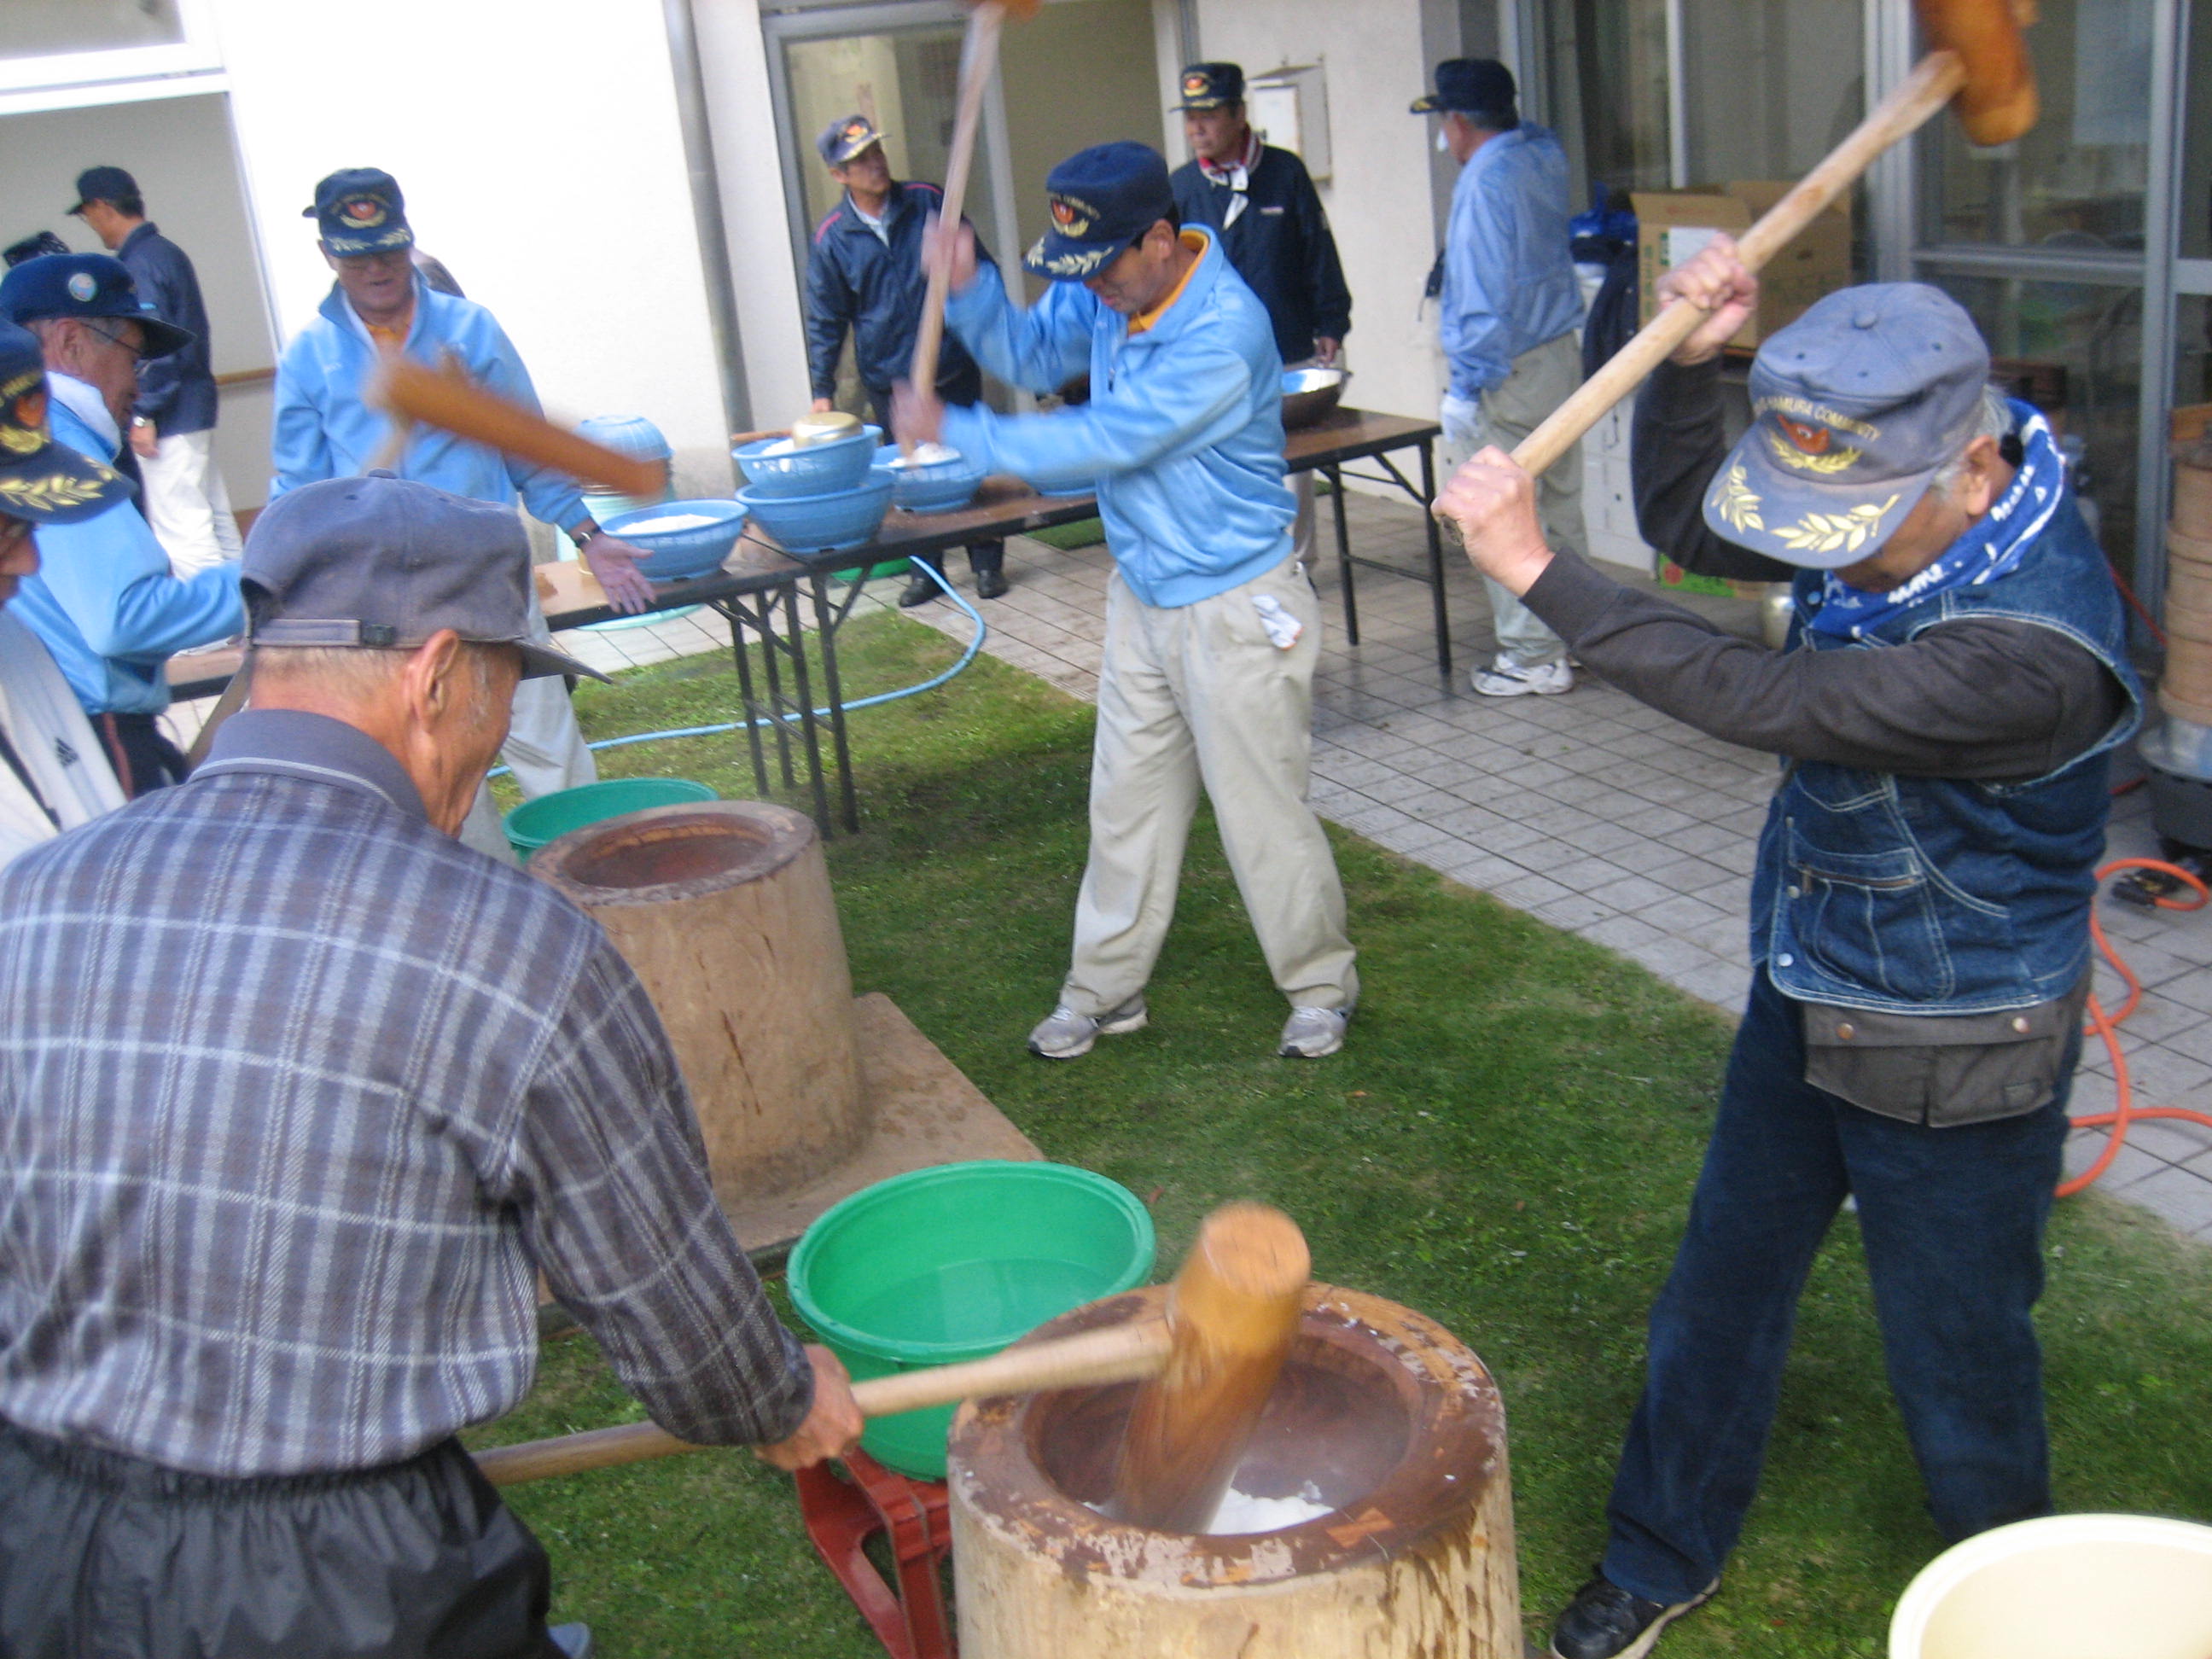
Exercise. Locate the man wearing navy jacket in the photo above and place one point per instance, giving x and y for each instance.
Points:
(864, 273)
(1270, 219)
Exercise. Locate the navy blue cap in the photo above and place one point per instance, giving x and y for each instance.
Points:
(1855, 407)
(103, 185)
(1473, 86)
(360, 211)
(1101, 200)
(40, 480)
(86, 285)
(846, 137)
(1211, 86)
(380, 563)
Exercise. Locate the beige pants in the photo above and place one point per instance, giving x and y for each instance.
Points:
(1197, 696)
(1542, 379)
(186, 504)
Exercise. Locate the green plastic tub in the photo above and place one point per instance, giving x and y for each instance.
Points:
(954, 1263)
(549, 817)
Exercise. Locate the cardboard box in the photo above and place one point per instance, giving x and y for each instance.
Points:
(1674, 225)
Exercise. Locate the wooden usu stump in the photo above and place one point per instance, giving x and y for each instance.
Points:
(1380, 1411)
(724, 910)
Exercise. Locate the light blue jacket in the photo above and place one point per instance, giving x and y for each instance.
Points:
(106, 606)
(1509, 281)
(323, 429)
(1182, 436)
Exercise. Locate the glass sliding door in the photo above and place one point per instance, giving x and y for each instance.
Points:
(2043, 240)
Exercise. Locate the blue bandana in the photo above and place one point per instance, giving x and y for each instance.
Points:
(1992, 548)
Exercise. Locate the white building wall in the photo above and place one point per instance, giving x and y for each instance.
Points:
(537, 144)
(749, 171)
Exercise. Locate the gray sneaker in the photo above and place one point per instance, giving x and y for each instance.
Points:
(1506, 678)
(574, 1640)
(1065, 1035)
(1314, 1033)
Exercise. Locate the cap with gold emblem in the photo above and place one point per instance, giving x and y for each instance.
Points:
(1100, 200)
(1211, 86)
(360, 211)
(1856, 407)
(40, 480)
(846, 137)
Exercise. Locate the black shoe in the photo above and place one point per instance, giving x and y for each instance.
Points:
(1604, 1621)
(991, 584)
(920, 591)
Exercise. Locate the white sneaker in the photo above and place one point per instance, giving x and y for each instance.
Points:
(1314, 1033)
(1506, 678)
(1065, 1035)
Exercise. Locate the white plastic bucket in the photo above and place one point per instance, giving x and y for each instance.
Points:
(2064, 1587)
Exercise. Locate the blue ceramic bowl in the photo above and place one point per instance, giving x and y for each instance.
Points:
(831, 522)
(943, 487)
(811, 469)
(673, 554)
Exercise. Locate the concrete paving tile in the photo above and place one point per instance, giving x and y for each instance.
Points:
(1619, 933)
(1529, 891)
(2156, 1018)
(1723, 984)
(2175, 1140)
(1416, 837)
(1630, 894)
(1602, 837)
(1573, 912)
(2130, 1166)
(1681, 914)
(2182, 1199)
(2163, 1078)
(1483, 870)
(1670, 958)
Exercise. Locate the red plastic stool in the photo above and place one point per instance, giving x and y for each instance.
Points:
(841, 1515)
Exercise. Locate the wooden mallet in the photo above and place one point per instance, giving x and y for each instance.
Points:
(410, 391)
(1232, 1314)
(979, 57)
(1978, 62)
(1228, 1314)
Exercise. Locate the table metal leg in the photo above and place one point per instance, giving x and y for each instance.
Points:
(771, 646)
(1344, 555)
(826, 622)
(1435, 558)
(736, 614)
(808, 732)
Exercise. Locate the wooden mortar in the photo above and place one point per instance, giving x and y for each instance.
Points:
(1395, 1423)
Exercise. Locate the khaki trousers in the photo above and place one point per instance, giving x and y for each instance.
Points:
(1197, 696)
(186, 504)
(1543, 378)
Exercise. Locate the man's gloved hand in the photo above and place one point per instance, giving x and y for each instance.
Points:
(615, 563)
(1462, 422)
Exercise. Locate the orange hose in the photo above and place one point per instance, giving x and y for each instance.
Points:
(2107, 1026)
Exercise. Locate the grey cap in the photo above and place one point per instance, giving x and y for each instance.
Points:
(381, 562)
(1854, 408)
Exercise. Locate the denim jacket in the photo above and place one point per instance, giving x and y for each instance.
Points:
(1931, 896)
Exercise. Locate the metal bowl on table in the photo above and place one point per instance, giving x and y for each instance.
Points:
(940, 486)
(784, 466)
(679, 549)
(1311, 394)
(830, 522)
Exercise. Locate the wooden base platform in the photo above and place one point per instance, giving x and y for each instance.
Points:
(927, 1112)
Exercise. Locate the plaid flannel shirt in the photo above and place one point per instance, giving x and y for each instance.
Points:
(297, 1095)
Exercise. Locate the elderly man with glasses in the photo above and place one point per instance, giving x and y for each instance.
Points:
(105, 601)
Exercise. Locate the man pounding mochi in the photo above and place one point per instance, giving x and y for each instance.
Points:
(1957, 673)
(1212, 630)
(298, 1098)
(324, 427)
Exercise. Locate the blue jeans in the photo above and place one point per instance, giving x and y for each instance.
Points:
(1952, 1225)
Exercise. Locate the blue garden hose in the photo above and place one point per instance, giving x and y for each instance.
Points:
(974, 645)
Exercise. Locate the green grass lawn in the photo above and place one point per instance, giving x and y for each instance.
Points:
(1507, 1144)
